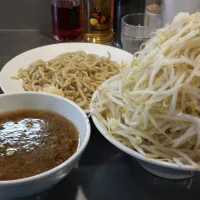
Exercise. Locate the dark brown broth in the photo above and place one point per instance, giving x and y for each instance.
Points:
(34, 141)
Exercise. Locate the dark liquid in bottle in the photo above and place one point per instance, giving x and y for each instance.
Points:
(122, 8)
(66, 22)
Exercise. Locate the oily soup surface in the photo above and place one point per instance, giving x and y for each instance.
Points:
(34, 141)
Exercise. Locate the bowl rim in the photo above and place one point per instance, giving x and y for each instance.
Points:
(129, 151)
(66, 162)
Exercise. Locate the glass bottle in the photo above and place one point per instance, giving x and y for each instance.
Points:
(97, 20)
(66, 19)
(122, 8)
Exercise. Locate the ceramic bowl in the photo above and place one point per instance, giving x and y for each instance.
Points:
(35, 100)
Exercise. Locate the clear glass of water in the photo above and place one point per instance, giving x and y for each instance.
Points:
(137, 29)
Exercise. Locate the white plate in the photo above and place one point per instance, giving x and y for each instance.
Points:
(45, 53)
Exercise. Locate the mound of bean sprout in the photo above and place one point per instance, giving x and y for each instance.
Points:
(153, 105)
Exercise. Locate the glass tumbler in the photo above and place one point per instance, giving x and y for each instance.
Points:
(136, 29)
(66, 19)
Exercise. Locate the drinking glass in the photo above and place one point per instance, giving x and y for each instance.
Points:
(137, 29)
(66, 19)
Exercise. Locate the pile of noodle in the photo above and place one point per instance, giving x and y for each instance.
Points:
(72, 75)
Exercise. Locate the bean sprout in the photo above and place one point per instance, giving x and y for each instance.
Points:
(153, 105)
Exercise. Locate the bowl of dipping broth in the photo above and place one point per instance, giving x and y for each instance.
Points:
(42, 138)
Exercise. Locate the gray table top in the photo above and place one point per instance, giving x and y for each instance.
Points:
(104, 172)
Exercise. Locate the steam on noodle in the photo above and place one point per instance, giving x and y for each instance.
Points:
(72, 75)
(153, 105)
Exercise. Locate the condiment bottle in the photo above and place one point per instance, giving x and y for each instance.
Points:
(66, 19)
(97, 18)
(122, 8)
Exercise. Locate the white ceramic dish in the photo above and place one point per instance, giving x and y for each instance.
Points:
(36, 100)
(9, 85)
(158, 168)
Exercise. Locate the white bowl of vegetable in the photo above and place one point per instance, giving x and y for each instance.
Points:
(151, 110)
